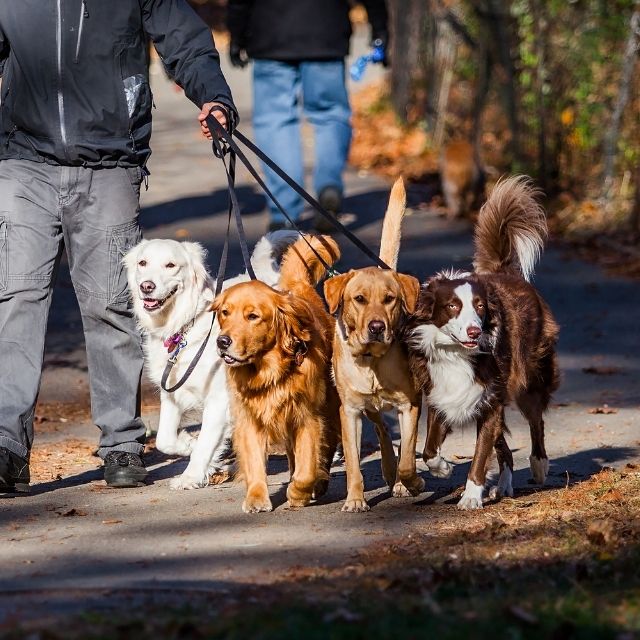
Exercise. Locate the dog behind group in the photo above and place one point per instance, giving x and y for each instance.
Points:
(278, 369)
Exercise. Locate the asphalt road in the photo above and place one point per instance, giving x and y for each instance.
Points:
(154, 539)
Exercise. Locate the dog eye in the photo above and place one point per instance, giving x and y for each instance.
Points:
(224, 313)
(452, 306)
(359, 298)
(480, 305)
(170, 265)
(142, 263)
(253, 316)
(388, 299)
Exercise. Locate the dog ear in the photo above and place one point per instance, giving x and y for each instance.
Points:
(410, 290)
(130, 258)
(218, 302)
(197, 256)
(334, 290)
(294, 319)
(426, 303)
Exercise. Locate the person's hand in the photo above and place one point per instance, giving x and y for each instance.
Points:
(238, 56)
(220, 116)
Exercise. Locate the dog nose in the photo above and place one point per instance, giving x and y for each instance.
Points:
(223, 342)
(474, 332)
(147, 286)
(376, 327)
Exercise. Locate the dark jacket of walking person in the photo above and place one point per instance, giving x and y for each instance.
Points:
(298, 48)
(75, 125)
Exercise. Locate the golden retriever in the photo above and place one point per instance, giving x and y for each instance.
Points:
(370, 366)
(277, 348)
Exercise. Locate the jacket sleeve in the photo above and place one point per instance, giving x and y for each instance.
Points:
(186, 46)
(238, 18)
(377, 14)
(4, 51)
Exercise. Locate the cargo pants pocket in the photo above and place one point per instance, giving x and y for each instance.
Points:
(4, 254)
(122, 237)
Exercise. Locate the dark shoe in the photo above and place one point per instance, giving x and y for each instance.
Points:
(279, 225)
(123, 469)
(330, 199)
(14, 471)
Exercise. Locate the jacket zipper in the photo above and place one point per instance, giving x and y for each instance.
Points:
(84, 13)
(63, 128)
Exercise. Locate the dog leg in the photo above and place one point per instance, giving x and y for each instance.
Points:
(407, 477)
(388, 456)
(436, 433)
(251, 444)
(532, 406)
(167, 439)
(330, 441)
(489, 430)
(212, 432)
(505, 462)
(351, 421)
(306, 452)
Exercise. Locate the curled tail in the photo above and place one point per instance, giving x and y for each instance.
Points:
(511, 229)
(392, 225)
(267, 253)
(301, 267)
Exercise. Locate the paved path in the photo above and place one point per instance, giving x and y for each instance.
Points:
(73, 539)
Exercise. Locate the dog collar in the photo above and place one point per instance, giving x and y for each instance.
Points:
(177, 342)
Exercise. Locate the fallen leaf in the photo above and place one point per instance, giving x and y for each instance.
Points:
(605, 409)
(73, 512)
(522, 614)
(113, 521)
(601, 532)
(602, 371)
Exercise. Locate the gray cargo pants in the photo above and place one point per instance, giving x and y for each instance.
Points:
(93, 213)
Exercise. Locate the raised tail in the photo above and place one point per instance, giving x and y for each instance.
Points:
(392, 225)
(511, 229)
(301, 267)
(267, 253)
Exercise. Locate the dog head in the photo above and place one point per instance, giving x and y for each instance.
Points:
(162, 275)
(371, 303)
(457, 308)
(256, 320)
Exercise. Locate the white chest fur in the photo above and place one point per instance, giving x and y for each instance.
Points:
(455, 392)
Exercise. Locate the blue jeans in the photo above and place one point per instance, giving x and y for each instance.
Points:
(278, 90)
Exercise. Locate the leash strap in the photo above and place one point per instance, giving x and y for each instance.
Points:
(213, 123)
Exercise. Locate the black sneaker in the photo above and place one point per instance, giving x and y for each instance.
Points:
(123, 469)
(14, 472)
(330, 199)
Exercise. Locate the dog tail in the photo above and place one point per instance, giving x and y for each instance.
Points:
(392, 225)
(301, 266)
(267, 253)
(511, 229)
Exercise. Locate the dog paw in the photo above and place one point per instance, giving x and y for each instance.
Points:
(400, 491)
(439, 467)
(355, 506)
(539, 468)
(187, 481)
(504, 488)
(256, 505)
(320, 489)
(181, 446)
(406, 488)
(472, 497)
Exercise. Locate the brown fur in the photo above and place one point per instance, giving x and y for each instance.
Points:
(462, 178)
(516, 358)
(281, 388)
(370, 368)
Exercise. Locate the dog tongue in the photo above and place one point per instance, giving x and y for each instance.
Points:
(150, 304)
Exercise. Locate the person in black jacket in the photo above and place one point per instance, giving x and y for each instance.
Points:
(298, 48)
(75, 124)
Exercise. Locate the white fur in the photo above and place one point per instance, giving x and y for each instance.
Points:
(528, 250)
(504, 486)
(472, 496)
(439, 467)
(455, 393)
(539, 468)
(188, 290)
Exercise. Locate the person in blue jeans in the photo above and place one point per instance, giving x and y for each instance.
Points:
(299, 49)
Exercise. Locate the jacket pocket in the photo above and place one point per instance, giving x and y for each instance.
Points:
(122, 237)
(4, 254)
(134, 88)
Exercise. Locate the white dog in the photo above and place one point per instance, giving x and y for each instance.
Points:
(172, 292)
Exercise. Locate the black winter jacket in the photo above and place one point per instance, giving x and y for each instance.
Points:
(297, 30)
(75, 84)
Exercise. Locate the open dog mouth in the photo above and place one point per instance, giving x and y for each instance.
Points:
(467, 344)
(153, 304)
(231, 361)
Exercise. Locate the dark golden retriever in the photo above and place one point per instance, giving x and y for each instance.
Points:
(277, 347)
